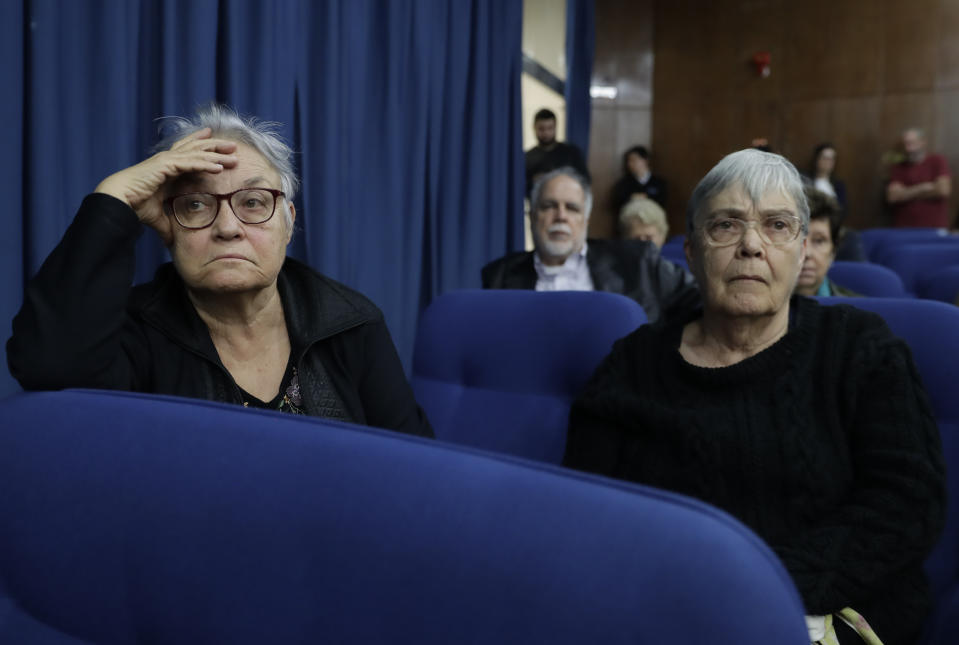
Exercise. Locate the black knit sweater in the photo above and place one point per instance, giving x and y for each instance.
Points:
(824, 444)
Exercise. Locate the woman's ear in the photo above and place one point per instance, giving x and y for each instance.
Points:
(292, 208)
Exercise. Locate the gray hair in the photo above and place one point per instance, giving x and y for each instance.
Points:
(570, 172)
(225, 122)
(646, 211)
(757, 172)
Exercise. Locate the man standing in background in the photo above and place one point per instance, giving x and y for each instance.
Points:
(919, 186)
(550, 154)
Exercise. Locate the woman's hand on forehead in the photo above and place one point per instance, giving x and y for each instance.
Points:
(142, 186)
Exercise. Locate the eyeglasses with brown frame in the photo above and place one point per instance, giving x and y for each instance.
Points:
(199, 210)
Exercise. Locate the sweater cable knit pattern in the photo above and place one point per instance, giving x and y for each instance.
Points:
(823, 443)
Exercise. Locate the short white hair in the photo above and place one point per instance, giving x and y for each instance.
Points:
(757, 172)
(646, 211)
(226, 122)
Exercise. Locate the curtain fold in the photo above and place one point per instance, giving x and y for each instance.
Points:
(580, 53)
(404, 114)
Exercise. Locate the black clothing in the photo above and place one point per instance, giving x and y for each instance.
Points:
(630, 267)
(627, 185)
(824, 444)
(540, 161)
(81, 325)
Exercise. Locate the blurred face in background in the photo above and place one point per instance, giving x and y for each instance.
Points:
(545, 130)
(825, 162)
(914, 145)
(820, 252)
(559, 220)
(636, 164)
(636, 229)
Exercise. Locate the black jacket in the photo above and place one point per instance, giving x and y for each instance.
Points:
(630, 267)
(81, 325)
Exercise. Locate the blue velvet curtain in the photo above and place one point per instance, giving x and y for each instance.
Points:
(405, 115)
(580, 52)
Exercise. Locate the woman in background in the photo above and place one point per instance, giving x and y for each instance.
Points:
(643, 219)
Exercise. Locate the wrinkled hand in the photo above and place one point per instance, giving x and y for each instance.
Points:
(140, 186)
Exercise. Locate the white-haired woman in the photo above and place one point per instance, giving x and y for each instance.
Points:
(232, 318)
(807, 422)
(643, 219)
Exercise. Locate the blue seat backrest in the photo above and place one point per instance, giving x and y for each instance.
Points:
(868, 279)
(916, 260)
(931, 329)
(131, 518)
(942, 284)
(676, 254)
(875, 239)
(498, 369)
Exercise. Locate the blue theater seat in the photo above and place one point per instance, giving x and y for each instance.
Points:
(868, 279)
(676, 254)
(942, 284)
(932, 331)
(498, 369)
(129, 519)
(875, 240)
(915, 261)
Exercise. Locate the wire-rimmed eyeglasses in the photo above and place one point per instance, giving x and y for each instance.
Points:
(776, 229)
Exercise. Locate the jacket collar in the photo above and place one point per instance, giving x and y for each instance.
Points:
(603, 269)
(314, 307)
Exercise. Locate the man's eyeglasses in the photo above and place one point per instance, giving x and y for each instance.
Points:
(775, 229)
(199, 210)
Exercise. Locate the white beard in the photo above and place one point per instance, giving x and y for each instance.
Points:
(558, 249)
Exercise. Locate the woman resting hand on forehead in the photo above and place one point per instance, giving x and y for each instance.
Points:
(231, 318)
(806, 422)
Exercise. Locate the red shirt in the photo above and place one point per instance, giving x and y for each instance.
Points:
(932, 211)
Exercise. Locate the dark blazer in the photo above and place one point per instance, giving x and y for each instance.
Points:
(630, 267)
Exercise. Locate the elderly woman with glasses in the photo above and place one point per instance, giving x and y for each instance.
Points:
(807, 422)
(232, 318)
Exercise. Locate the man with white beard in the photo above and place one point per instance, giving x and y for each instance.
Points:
(563, 259)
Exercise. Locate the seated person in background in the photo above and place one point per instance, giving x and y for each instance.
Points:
(920, 185)
(548, 153)
(232, 318)
(643, 219)
(563, 260)
(806, 422)
(638, 180)
(824, 217)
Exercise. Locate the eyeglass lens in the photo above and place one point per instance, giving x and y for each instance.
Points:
(775, 229)
(251, 206)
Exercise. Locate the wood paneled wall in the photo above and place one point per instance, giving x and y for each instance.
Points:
(624, 59)
(853, 72)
